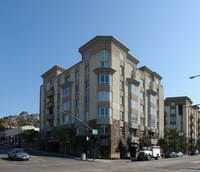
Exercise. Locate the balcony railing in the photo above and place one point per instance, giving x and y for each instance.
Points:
(192, 116)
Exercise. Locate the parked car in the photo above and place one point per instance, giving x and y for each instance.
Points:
(18, 154)
(179, 154)
(3, 143)
(195, 152)
(171, 155)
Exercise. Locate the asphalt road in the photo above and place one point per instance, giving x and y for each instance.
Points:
(39, 163)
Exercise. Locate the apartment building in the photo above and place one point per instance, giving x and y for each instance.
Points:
(107, 91)
(188, 122)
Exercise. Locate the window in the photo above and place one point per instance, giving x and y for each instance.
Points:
(87, 85)
(142, 108)
(172, 125)
(149, 79)
(68, 79)
(121, 100)
(134, 104)
(66, 119)
(87, 116)
(121, 70)
(141, 83)
(45, 82)
(172, 119)
(52, 81)
(121, 115)
(142, 121)
(104, 58)
(87, 56)
(87, 70)
(87, 100)
(103, 129)
(65, 92)
(152, 122)
(172, 103)
(133, 132)
(77, 103)
(121, 56)
(152, 111)
(104, 112)
(134, 117)
(77, 75)
(141, 95)
(152, 99)
(130, 68)
(104, 79)
(121, 130)
(104, 96)
(121, 85)
(172, 111)
(77, 89)
(134, 89)
(77, 116)
(65, 106)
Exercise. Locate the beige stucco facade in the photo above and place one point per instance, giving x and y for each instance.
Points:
(188, 122)
(104, 77)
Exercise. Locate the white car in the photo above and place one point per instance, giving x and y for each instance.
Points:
(179, 154)
(18, 154)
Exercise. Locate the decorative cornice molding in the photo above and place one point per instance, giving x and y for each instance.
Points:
(133, 81)
(104, 71)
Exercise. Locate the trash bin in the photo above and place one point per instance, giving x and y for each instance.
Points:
(83, 156)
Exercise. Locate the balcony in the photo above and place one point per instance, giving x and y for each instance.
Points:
(105, 121)
(152, 89)
(134, 139)
(49, 116)
(50, 92)
(133, 125)
(192, 131)
(49, 104)
(192, 123)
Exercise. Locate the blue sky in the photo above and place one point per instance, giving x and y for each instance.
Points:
(36, 35)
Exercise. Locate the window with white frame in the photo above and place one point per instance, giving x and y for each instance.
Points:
(152, 122)
(87, 70)
(121, 85)
(87, 116)
(121, 115)
(66, 106)
(77, 75)
(172, 111)
(141, 95)
(152, 99)
(66, 119)
(104, 112)
(87, 100)
(66, 92)
(172, 119)
(149, 79)
(152, 111)
(87, 85)
(104, 129)
(141, 83)
(134, 89)
(142, 108)
(104, 58)
(121, 100)
(121, 70)
(142, 121)
(104, 79)
(134, 117)
(134, 104)
(104, 96)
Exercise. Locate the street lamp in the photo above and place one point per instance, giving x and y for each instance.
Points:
(192, 77)
(87, 151)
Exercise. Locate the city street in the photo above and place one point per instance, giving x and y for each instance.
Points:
(59, 164)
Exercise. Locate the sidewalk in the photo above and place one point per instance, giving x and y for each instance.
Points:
(52, 154)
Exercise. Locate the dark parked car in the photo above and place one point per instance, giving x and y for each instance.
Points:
(171, 155)
(195, 152)
(18, 154)
(3, 143)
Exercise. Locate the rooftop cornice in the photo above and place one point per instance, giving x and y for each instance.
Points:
(105, 39)
(179, 98)
(53, 69)
(149, 71)
(133, 59)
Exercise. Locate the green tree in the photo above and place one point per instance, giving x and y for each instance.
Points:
(163, 142)
(144, 141)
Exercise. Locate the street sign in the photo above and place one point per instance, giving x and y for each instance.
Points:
(95, 132)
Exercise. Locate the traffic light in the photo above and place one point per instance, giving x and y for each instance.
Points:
(180, 109)
(93, 139)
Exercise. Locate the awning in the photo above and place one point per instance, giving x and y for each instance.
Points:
(123, 142)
